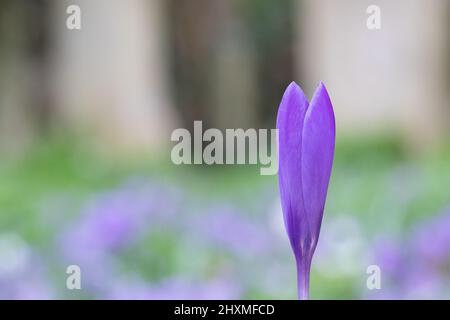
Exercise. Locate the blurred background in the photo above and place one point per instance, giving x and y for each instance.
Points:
(85, 172)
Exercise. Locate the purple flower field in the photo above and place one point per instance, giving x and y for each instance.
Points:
(153, 238)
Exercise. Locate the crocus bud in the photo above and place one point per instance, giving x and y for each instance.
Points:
(306, 149)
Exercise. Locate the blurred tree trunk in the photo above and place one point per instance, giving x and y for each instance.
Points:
(193, 30)
(270, 27)
(231, 60)
(234, 74)
(37, 17)
(25, 108)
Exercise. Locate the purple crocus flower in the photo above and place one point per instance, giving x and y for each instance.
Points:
(306, 149)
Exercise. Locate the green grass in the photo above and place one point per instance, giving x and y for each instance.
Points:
(369, 177)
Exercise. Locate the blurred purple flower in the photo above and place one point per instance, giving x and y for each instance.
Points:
(231, 229)
(113, 221)
(390, 255)
(432, 241)
(306, 149)
(421, 283)
(177, 289)
(417, 267)
(23, 276)
(106, 225)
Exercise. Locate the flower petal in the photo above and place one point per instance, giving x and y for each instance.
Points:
(317, 156)
(291, 114)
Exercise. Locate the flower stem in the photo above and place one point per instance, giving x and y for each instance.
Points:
(303, 269)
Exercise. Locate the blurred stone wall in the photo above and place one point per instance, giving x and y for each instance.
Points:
(394, 80)
(137, 68)
(109, 79)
